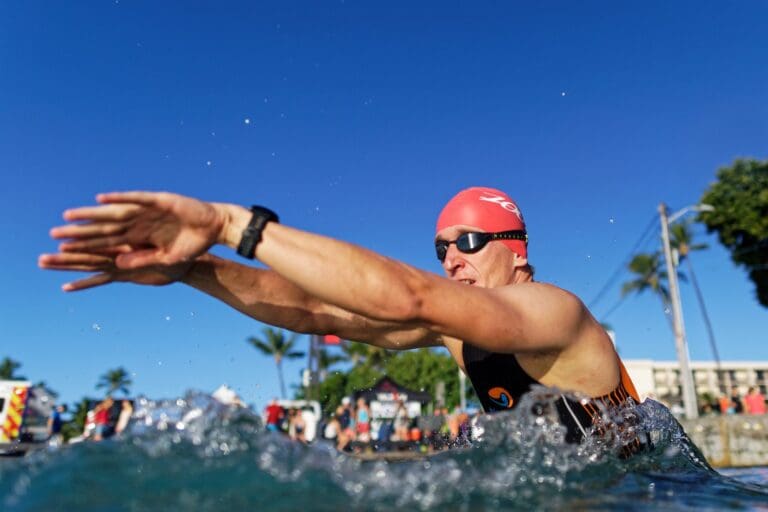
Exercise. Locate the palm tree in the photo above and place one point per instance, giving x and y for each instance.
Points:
(276, 345)
(647, 268)
(362, 353)
(325, 359)
(115, 380)
(649, 277)
(8, 369)
(681, 239)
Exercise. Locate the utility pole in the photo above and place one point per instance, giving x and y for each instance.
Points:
(686, 377)
(312, 366)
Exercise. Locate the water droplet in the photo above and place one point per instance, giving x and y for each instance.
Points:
(666, 311)
(191, 313)
(167, 318)
(159, 363)
(589, 256)
(208, 163)
(213, 134)
(247, 120)
(282, 116)
(273, 154)
(317, 208)
(96, 327)
(611, 220)
(266, 100)
(562, 93)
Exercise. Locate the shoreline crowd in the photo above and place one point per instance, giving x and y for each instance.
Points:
(352, 428)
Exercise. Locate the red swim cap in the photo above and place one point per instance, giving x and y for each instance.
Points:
(488, 209)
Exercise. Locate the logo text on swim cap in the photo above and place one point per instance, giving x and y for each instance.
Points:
(502, 201)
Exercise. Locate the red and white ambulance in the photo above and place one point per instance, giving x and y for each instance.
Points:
(24, 411)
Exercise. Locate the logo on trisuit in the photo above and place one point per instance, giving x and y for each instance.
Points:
(501, 397)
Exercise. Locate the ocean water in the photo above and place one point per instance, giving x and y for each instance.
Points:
(195, 454)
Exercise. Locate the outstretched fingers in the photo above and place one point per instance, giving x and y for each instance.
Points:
(81, 262)
(89, 282)
(103, 213)
(143, 198)
(89, 230)
(91, 245)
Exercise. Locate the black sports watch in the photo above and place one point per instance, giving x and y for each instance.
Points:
(252, 233)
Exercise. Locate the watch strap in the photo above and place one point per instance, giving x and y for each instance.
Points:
(252, 233)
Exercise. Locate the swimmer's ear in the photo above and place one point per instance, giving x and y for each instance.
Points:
(520, 261)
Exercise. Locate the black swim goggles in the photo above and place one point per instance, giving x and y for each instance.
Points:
(472, 242)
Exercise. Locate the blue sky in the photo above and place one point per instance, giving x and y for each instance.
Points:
(359, 120)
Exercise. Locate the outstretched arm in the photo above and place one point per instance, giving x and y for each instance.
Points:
(172, 229)
(268, 297)
(259, 293)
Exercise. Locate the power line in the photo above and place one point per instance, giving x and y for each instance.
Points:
(614, 308)
(617, 273)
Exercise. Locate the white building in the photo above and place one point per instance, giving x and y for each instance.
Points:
(661, 379)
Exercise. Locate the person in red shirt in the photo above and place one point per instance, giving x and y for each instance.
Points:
(101, 418)
(273, 414)
(754, 402)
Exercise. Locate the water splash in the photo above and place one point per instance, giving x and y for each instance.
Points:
(194, 453)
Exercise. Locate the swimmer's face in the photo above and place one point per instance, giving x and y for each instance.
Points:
(492, 266)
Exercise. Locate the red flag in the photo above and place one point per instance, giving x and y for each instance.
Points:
(331, 339)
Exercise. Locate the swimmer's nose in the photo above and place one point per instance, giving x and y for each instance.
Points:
(453, 260)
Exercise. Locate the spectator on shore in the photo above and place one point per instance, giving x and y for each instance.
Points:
(346, 419)
(126, 412)
(754, 402)
(363, 421)
(55, 423)
(296, 426)
(726, 406)
(273, 416)
(402, 422)
(345, 434)
(101, 419)
(738, 405)
(458, 426)
(332, 429)
(707, 409)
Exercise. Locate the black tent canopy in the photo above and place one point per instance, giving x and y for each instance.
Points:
(387, 390)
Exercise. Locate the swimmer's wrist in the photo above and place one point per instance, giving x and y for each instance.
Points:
(201, 266)
(234, 220)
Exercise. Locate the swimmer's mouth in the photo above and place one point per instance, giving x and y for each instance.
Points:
(467, 281)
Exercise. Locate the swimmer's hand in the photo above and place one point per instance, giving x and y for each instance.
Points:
(106, 272)
(160, 228)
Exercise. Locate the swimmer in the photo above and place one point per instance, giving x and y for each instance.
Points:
(505, 330)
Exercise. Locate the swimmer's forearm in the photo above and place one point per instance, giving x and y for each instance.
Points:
(268, 297)
(258, 293)
(348, 276)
